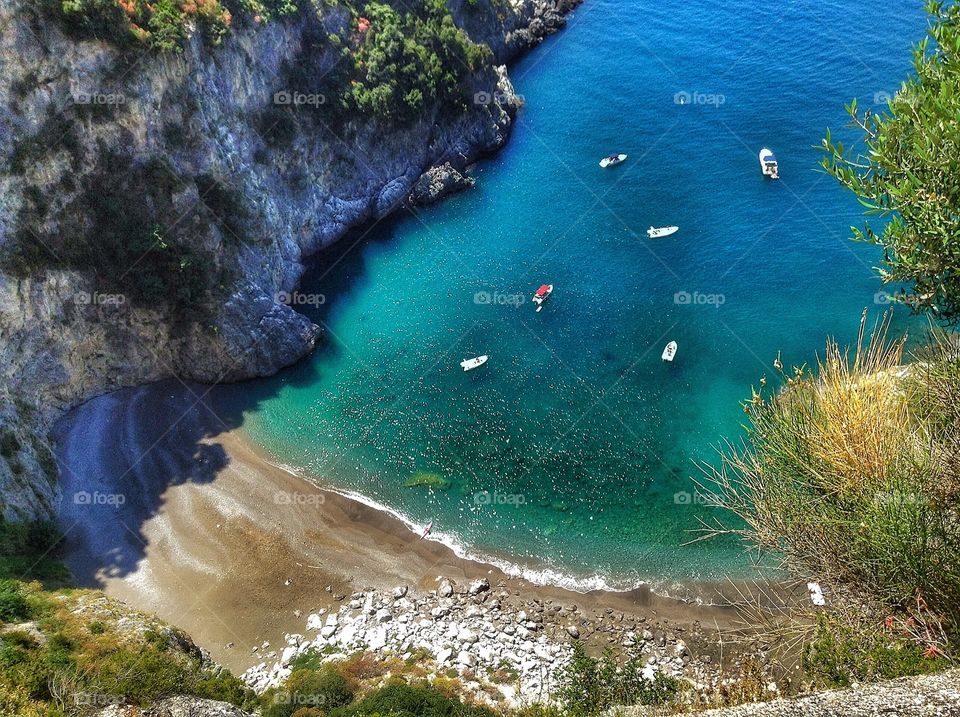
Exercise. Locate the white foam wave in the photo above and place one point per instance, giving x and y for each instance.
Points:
(541, 575)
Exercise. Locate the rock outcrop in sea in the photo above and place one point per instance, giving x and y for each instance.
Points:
(223, 167)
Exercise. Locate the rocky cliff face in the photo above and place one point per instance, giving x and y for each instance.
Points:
(156, 208)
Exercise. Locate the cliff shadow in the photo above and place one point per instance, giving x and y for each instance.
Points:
(338, 270)
(120, 453)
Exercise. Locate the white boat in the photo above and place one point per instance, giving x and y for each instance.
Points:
(768, 164)
(657, 232)
(613, 160)
(470, 364)
(669, 351)
(542, 293)
(426, 530)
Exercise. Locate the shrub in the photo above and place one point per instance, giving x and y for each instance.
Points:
(324, 688)
(408, 61)
(850, 475)
(308, 712)
(162, 25)
(311, 659)
(904, 171)
(9, 444)
(591, 686)
(842, 653)
(31, 551)
(401, 700)
(13, 603)
(539, 710)
(76, 660)
(116, 232)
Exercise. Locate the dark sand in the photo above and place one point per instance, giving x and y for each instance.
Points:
(168, 507)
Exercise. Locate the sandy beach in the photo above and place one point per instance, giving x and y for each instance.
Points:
(168, 506)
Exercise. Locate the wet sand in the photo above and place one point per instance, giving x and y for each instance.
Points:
(170, 508)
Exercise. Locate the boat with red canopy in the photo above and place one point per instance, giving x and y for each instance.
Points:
(541, 295)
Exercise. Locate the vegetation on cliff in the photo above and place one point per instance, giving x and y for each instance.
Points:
(906, 172)
(124, 222)
(849, 474)
(76, 651)
(408, 61)
(164, 24)
(396, 62)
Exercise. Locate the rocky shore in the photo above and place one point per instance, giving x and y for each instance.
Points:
(507, 648)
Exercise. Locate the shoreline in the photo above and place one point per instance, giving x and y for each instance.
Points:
(699, 592)
(218, 540)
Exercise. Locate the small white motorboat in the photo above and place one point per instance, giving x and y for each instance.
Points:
(669, 351)
(768, 164)
(613, 160)
(542, 293)
(470, 364)
(657, 232)
(426, 530)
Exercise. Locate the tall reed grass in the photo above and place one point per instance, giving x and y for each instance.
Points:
(849, 473)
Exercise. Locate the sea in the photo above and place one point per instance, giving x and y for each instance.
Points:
(574, 455)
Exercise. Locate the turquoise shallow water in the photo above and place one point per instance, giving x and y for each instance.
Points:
(571, 453)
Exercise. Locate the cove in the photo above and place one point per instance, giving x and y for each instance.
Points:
(570, 455)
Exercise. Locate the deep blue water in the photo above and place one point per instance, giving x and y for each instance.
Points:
(573, 449)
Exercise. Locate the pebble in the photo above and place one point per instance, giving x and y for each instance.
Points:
(464, 631)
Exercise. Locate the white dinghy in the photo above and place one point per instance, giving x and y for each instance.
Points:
(472, 363)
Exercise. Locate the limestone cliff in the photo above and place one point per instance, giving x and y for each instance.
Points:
(155, 207)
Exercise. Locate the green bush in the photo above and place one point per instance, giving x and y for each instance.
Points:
(324, 688)
(590, 686)
(9, 445)
(115, 233)
(308, 712)
(163, 25)
(13, 603)
(31, 551)
(904, 171)
(851, 473)
(79, 658)
(407, 62)
(399, 700)
(841, 654)
(311, 659)
(539, 710)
